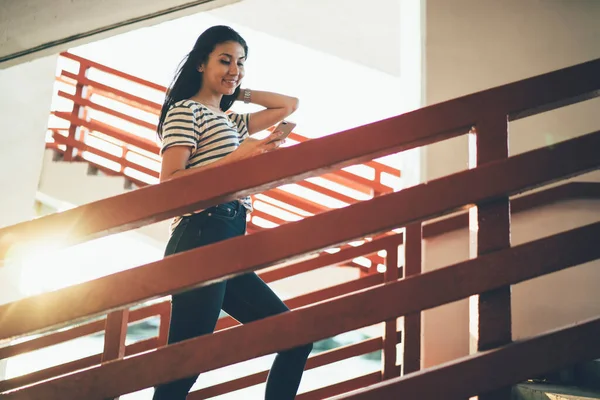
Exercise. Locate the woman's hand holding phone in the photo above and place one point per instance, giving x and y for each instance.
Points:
(286, 128)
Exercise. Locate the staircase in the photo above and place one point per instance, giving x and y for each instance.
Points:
(374, 228)
(87, 137)
(579, 382)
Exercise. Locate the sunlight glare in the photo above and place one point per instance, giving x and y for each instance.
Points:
(41, 264)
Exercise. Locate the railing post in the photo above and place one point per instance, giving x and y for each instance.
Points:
(74, 129)
(390, 337)
(114, 336)
(165, 321)
(125, 150)
(490, 312)
(411, 333)
(377, 179)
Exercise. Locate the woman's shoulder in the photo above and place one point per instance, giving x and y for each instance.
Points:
(187, 105)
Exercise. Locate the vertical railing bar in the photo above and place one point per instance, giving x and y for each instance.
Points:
(74, 129)
(490, 231)
(390, 336)
(163, 330)
(115, 335)
(411, 341)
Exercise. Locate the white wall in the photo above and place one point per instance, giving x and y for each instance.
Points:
(368, 36)
(24, 110)
(24, 107)
(473, 45)
(47, 27)
(477, 44)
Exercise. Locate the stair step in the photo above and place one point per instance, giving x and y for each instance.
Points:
(539, 391)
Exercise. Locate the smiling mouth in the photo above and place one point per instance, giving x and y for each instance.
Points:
(230, 81)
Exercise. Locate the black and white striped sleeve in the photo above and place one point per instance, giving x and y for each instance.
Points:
(241, 121)
(179, 128)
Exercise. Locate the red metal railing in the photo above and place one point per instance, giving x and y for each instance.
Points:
(88, 125)
(95, 108)
(496, 264)
(411, 353)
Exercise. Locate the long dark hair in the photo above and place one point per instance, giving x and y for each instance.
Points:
(188, 80)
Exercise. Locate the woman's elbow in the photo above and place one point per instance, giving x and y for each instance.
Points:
(293, 105)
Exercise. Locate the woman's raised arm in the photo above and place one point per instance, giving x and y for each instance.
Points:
(277, 107)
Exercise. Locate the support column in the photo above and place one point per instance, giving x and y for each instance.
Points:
(24, 112)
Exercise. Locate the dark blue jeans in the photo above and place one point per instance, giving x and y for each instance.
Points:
(246, 298)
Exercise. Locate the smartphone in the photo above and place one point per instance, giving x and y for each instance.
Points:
(286, 127)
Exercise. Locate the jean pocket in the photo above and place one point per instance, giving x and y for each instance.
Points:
(226, 212)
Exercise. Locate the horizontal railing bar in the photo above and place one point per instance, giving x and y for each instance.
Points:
(544, 92)
(565, 191)
(319, 295)
(300, 202)
(49, 373)
(342, 177)
(319, 360)
(100, 167)
(95, 106)
(89, 82)
(331, 292)
(127, 139)
(326, 259)
(293, 209)
(72, 366)
(94, 91)
(122, 161)
(270, 247)
(311, 158)
(377, 165)
(89, 63)
(487, 371)
(158, 308)
(79, 331)
(269, 217)
(545, 107)
(339, 178)
(341, 387)
(343, 314)
(372, 184)
(327, 192)
(381, 167)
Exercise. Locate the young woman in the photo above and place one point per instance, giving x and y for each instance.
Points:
(197, 134)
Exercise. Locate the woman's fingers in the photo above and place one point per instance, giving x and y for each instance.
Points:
(274, 136)
(273, 141)
(274, 144)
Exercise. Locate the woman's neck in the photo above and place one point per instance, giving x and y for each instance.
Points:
(209, 99)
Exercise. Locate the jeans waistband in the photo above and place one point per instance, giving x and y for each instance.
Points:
(234, 205)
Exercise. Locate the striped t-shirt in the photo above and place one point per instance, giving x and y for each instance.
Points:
(210, 136)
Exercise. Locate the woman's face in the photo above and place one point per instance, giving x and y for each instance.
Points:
(224, 70)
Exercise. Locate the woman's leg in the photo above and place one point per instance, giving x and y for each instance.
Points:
(247, 299)
(195, 312)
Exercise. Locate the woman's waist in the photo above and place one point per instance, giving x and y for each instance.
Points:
(232, 209)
